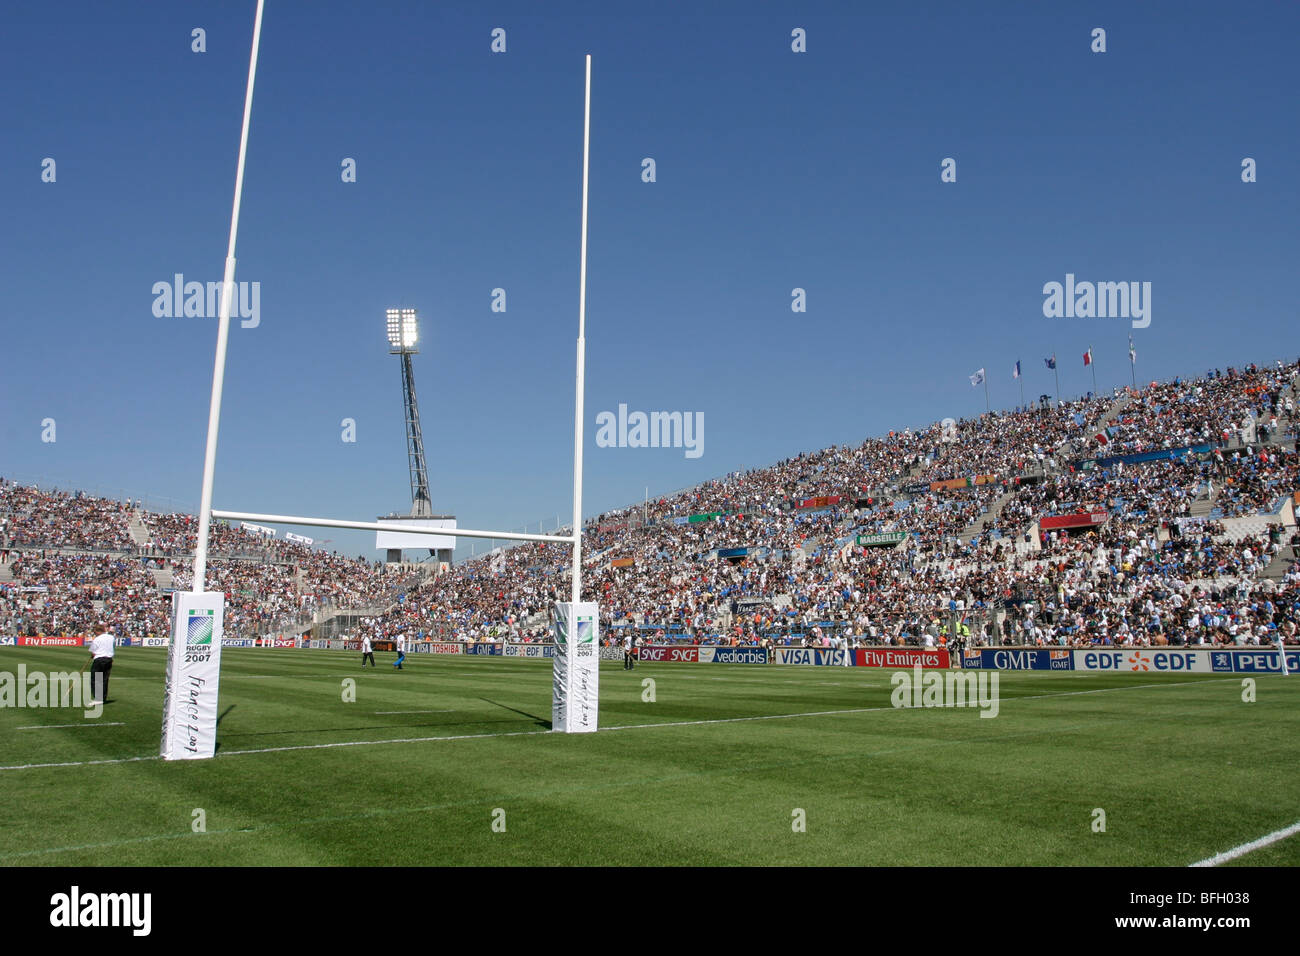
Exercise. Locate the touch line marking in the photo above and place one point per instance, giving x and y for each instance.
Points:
(1245, 848)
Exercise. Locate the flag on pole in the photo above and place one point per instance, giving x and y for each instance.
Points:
(1015, 372)
(1132, 352)
(977, 378)
(1087, 357)
(1051, 362)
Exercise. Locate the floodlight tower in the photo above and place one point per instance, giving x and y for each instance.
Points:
(403, 334)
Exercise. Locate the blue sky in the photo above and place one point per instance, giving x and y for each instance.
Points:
(775, 170)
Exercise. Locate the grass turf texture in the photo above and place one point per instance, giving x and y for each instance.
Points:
(1182, 767)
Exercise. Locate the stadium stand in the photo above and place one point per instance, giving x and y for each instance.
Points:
(1160, 515)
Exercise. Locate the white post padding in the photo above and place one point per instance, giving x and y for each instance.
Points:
(575, 703)
(189, 730)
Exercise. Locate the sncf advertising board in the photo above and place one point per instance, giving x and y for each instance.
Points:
(669, 654)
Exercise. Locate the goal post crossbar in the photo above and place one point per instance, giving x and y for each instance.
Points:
(378, 526)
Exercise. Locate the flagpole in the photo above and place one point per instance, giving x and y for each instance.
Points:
(1056, 373)
(1021, 376)
(987, 407)
(1132, 362)
(1092, 364)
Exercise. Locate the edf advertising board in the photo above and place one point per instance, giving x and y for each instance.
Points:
(1132, 660)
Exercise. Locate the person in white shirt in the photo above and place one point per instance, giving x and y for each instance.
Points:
(367, 652)
(101, 662)
(401, 652)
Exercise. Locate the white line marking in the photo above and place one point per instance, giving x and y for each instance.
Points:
(80, 763)
(374, 743)
(60, 726)
(225, 676)
(414, 711)
(1245, 848)
(531, 733)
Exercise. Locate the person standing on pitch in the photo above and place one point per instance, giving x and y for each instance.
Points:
(629, 654)
(101, 662)
(367, 652)
(401, 651)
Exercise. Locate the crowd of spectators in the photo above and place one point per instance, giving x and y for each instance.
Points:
(1166, 561)
(1127, 580)
(74, 566)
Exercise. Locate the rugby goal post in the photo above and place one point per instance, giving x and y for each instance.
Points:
(194, 652)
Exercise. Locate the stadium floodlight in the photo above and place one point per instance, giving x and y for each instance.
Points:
(403, 331)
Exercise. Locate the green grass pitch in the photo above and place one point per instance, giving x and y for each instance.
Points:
(418, 769)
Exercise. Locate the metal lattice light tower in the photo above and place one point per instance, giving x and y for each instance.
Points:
(403, 334)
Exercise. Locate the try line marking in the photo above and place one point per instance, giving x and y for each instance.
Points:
(415, 711)
(1245, 848)
(532, 733)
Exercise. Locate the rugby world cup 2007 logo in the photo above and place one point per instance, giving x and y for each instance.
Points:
(199, 627)
(586, 636)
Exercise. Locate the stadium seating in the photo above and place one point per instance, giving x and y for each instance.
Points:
(1194, 546)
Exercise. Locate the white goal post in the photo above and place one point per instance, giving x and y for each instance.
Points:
(194, 652)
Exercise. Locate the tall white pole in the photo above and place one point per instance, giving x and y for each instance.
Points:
(582, 352)
(223, 326)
